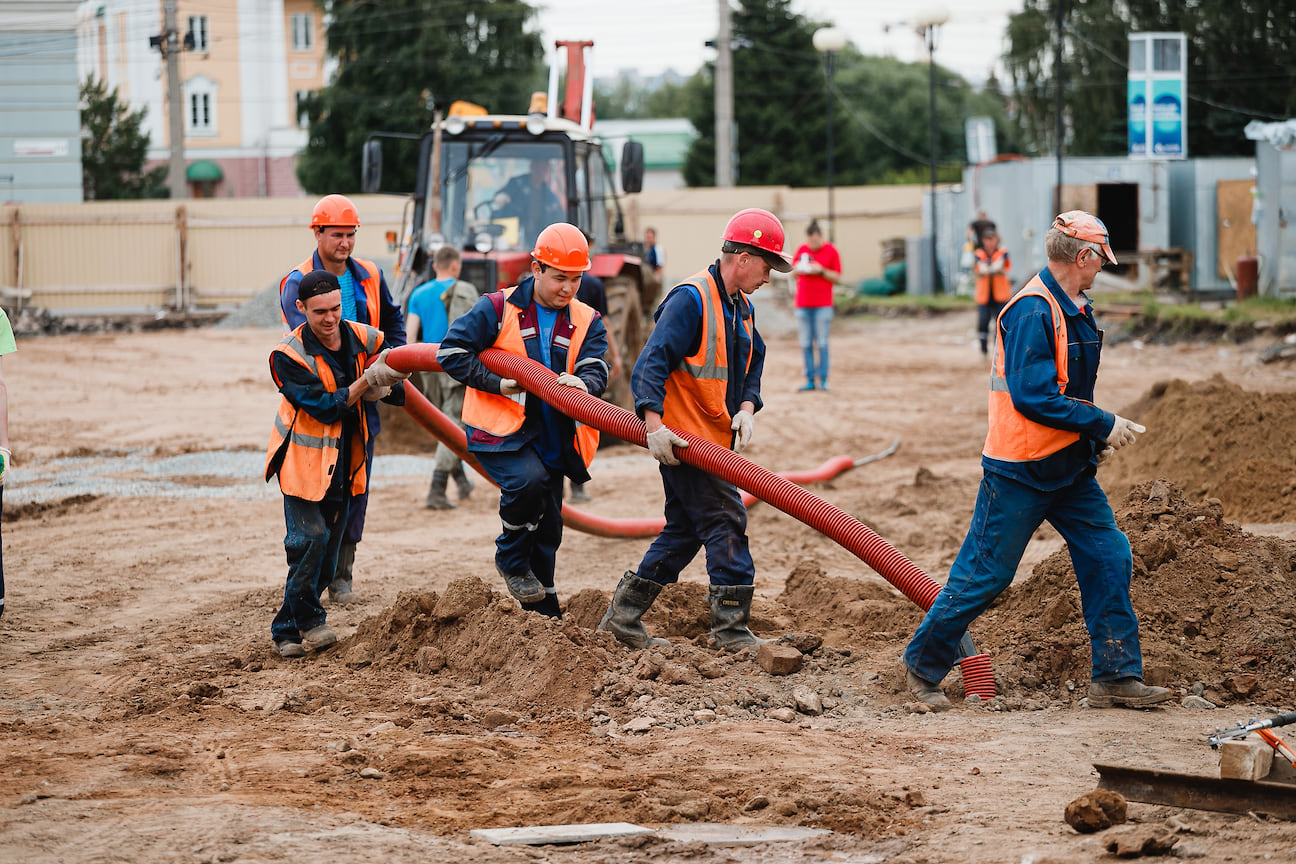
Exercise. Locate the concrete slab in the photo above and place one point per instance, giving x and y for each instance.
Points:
(542, 835)
(736, 835)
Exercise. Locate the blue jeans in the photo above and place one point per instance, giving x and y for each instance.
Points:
(315, 530)
(531, 513)
(812, 330)
(701, 510)
(1006, 515)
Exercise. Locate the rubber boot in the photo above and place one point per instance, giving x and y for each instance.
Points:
(339, 590)
(436, 497)
(548, 606)
(632, 598)
(730, 612)
(463, 482)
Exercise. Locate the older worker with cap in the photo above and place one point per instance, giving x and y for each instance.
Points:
(1045, 442)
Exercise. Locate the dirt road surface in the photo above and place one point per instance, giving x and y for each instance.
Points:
(144, 716)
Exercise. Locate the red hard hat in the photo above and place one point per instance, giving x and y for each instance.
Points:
(562, 245)
(760, 230)
(335, 211)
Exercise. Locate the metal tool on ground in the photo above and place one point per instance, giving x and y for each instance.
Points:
(1223, 794)
(1253, 725)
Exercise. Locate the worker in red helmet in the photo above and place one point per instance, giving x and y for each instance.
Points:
(700, 372)
(365, 300)
(526, 446)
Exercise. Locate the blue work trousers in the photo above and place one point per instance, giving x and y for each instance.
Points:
(1006, 515)
(812, 329)
(360, 503)
(531, 515)
(315, 530)
(701, 510)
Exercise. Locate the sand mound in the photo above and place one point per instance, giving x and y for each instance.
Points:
(1217, 440)
(857, 609)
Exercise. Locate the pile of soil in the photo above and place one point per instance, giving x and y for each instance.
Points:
(1216, 440)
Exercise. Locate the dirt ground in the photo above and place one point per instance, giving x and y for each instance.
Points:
(144, 716)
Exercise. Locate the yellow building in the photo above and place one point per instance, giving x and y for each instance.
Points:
(246, 67)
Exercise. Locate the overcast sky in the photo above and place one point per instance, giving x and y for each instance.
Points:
(655, 35)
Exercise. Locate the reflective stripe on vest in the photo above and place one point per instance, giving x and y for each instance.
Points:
(697, 388)
(1013, 437)
(500, 415)
(309, 447)
(371, 285)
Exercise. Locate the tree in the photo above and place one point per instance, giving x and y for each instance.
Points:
(629, 99)
(114, 147)
(398, 60)
(1240, 68)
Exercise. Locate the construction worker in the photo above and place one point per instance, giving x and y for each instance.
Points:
(700, 372)
(365, 300)
(526, 446)
(531, 199)
(318, 448)
(432, 306)
(993, 285)
(1045, 442)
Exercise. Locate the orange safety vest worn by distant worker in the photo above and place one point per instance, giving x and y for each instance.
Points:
(696, 389)
(309, 447)
(993, 286)
(1012, 437)
(501, 415)
(371, 285)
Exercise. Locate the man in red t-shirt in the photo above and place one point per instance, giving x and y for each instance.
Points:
(817, 266)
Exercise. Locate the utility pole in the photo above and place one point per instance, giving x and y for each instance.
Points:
(170, 48)
(724, 173)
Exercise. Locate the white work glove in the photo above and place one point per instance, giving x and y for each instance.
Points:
(567, 379)
(373, 394)
(6, 462)
(500, 200)
(1123, 432)
(1105, 454)
(509, 387)
(379, 374)
(661, 443)
(743, 425)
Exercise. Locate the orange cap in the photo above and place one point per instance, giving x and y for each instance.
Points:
(335, 211)
(1085, 226)
(562, 245)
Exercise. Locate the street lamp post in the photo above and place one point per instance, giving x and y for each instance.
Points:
(828, 42)
(927, 24)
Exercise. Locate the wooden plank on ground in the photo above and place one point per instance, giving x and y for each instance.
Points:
(544, 835)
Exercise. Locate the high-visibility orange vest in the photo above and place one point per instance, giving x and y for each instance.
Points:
(371, 284)
(501, 415)
(1012, 437)
(310, 448)
(696, 389)
(996, 286)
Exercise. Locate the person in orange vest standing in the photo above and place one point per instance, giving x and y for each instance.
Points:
(1045, 442)
(700, 372)
(524, 444)
(993, 284)
(365, 300)
(318, 447)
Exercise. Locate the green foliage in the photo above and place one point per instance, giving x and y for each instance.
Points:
(1240, 68)
(629, 100)
(114, 147)
(398, 60)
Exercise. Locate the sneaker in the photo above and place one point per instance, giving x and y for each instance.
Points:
(525, 588)
(1126, 693)
(924, 691)
(320, 637)
(809, 385)
(290, 649)
(824, 386)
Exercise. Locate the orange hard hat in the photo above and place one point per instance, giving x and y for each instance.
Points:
(563, 245)
(761, 232)
(335, 211)
(1085, 226)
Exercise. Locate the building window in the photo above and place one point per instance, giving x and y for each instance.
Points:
(303, 31)
(303, 118)
(198, 30)
(200, 107)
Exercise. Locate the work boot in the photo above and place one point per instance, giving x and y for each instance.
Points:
(1126, 692)
(630, 601)
(525, 588)
(339, 590)
(578, 492)
(730, 612)
(463, 482)
(319, 637)
(436, 497)
(923, 690)
(289, 649)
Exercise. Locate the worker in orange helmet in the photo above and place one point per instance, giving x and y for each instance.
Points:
(365, 300)
(700, 372)
(524, 445)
